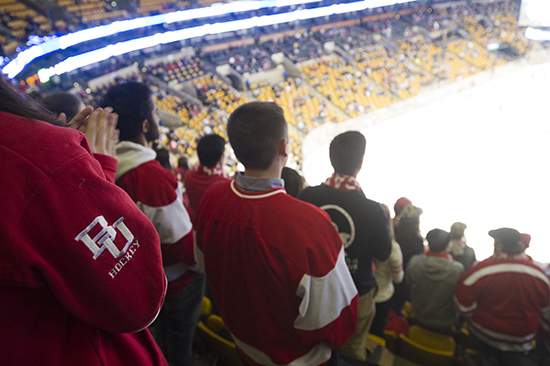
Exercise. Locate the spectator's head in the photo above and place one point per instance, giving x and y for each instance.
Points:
(258, 134)
(347, 151)
(163, 157)
(294, 183)
(14, 103)
(438, 240)
(210, 149)
(136, 109)
(507, 241)
(183, 162)
(457, 230)
(65, 102)
(400, 205)
(409, 222)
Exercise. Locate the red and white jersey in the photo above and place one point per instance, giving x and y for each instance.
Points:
(196, 181)
(80, 265)
(503, 297)
(544, 326)
(158, 194)
(277, 272)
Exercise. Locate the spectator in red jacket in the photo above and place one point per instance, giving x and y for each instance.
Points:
(211, 152)
(503, 298)
(80, 264)
(158, 194)
(275, 264)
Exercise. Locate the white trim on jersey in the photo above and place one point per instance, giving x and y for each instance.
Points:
(464, 308)
(319, 354)
(197, 252)
(171, 221)
(251, 196)
(505, 268)
(503, 342)
(324, 298)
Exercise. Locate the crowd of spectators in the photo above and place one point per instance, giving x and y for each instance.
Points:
(374, 72)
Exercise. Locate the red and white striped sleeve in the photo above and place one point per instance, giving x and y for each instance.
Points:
(328, 310)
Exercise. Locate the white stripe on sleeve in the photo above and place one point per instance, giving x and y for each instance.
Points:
(324, 298)
(171, 221)
(320, 353)
(197, 252)
(463, 308)
(505, 268)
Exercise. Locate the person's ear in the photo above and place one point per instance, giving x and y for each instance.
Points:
(284, 147)
(62, 119)
(359, 167)
(145, 126)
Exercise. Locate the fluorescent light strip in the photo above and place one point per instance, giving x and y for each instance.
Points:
(29, 55)
(537, 34)
(104, 53)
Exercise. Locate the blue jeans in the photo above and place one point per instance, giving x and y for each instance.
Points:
(175, 326)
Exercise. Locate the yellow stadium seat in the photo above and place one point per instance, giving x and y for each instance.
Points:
(225, 350)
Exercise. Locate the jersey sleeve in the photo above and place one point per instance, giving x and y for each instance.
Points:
(466, 295)
(85, 240)
(380, 234)
(328, 309)
(174, 228)
(109, 165)
(396, 263)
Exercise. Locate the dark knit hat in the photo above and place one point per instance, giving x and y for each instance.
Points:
(438, 240)
(509, 238)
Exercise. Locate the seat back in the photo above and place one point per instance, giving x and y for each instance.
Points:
(378, 340)
(206, 306)
(391, 340)
(428, 338)
(225, 350)
(406, 312)
(423, 355)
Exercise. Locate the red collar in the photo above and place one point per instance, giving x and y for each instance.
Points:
(429, 253)
(343, 182)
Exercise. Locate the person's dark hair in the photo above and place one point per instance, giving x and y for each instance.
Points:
(183, 162)
(347, 151)
(13, 102)
(210, 149)
(438, 240)
(132, 102)
(65, 102)
(294, 183)
(163, 157)
(255, 131)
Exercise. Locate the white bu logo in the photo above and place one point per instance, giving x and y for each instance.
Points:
(105, 238)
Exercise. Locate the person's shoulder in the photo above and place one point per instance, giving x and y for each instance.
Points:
(157, 173)
(46, 146)
(311, 190)
(456, 266)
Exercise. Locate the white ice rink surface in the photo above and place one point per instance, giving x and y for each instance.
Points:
(481, 157)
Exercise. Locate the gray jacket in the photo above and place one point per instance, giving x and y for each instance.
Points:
(433, 281)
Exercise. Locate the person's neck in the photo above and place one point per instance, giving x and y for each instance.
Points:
(272, 172)
(141, 140)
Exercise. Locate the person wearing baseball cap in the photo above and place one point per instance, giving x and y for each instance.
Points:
(503, 298)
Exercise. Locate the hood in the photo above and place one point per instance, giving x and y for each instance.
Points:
(130, 155)
(435, 268)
